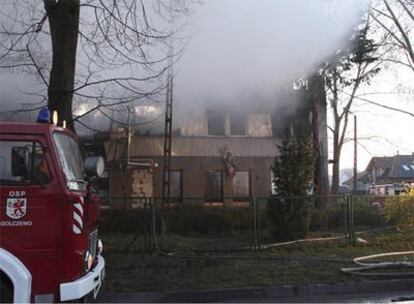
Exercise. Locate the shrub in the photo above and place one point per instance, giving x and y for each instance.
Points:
(124, 221)
(399, 210)
(367, 214)
(328, 219)
(209, 220)
(289, 209)
(289, 219)
(182, 220)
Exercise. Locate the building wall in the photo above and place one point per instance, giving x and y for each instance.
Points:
(193, 177)
(152, 146)
(247, 138)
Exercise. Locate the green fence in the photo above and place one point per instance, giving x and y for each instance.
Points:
(192, 224)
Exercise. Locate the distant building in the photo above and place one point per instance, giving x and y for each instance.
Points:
(223, 158)
(396, 169)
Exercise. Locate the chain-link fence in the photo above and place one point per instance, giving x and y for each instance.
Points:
(192, 224)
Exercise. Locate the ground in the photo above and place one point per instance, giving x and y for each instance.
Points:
(133, 268)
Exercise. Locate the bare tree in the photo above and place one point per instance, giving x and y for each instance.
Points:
(105, 53)
(345, 73)
(397, 19)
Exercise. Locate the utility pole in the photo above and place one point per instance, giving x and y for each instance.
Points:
(166, 173)
(167, 142)
(355, 179)
(129, 130)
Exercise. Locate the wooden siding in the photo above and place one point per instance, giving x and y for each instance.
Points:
(152, 146)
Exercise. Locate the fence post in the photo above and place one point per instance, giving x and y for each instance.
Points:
(154, 223)
(347, 230)
(254, 222)
(259, 225)
(345, 216)
(351, 215)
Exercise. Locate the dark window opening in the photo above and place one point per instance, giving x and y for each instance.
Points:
(238, 123)
(241, 186)
(214, 186)
(216, 123)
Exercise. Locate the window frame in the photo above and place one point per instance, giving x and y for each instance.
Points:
(177, 199)
(242, 198)
(211, 198)
(224, 116)
(238, 115)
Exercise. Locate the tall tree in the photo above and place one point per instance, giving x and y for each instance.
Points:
(344, 75)
(289, 209)
(63, 19)
(396, 18)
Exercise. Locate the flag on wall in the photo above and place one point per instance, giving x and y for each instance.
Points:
(230, 166)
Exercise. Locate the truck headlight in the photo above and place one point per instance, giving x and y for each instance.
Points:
(88, 260)
(100, 246)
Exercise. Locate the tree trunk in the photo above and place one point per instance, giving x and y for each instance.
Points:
(320, 137)
(64, 28)
(336, 158)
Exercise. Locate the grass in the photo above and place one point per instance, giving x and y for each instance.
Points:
(137, 269)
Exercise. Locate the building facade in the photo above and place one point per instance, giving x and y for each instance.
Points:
(224, 158)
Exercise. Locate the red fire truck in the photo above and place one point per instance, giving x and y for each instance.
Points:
(49, 246)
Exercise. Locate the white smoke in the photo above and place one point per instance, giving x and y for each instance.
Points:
(243, 51)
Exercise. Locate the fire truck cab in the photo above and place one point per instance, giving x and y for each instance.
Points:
(49, 246)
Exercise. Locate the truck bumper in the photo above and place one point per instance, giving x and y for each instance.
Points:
(92, 281)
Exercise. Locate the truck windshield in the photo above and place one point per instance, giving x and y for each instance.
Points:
(71, 161)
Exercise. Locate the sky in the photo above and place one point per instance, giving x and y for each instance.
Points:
(383, 132)
(241, 52)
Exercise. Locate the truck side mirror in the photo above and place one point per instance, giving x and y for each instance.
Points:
(94, 166)
(20, 161)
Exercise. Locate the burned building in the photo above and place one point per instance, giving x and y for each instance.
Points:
(223, 158)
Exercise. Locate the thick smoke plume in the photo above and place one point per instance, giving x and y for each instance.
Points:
(242, 54)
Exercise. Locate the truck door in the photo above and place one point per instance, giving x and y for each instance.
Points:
(29, 203)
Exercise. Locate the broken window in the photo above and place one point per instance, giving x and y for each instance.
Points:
(216, 123)
(241, 186)
(238, 124)
(214, 186)
(259, 125)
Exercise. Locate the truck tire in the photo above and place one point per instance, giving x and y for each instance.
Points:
(6, 289)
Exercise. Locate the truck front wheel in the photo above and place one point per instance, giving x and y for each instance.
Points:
(6, 289)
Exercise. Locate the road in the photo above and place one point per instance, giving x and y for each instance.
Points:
(378, 297)
(376, 291)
